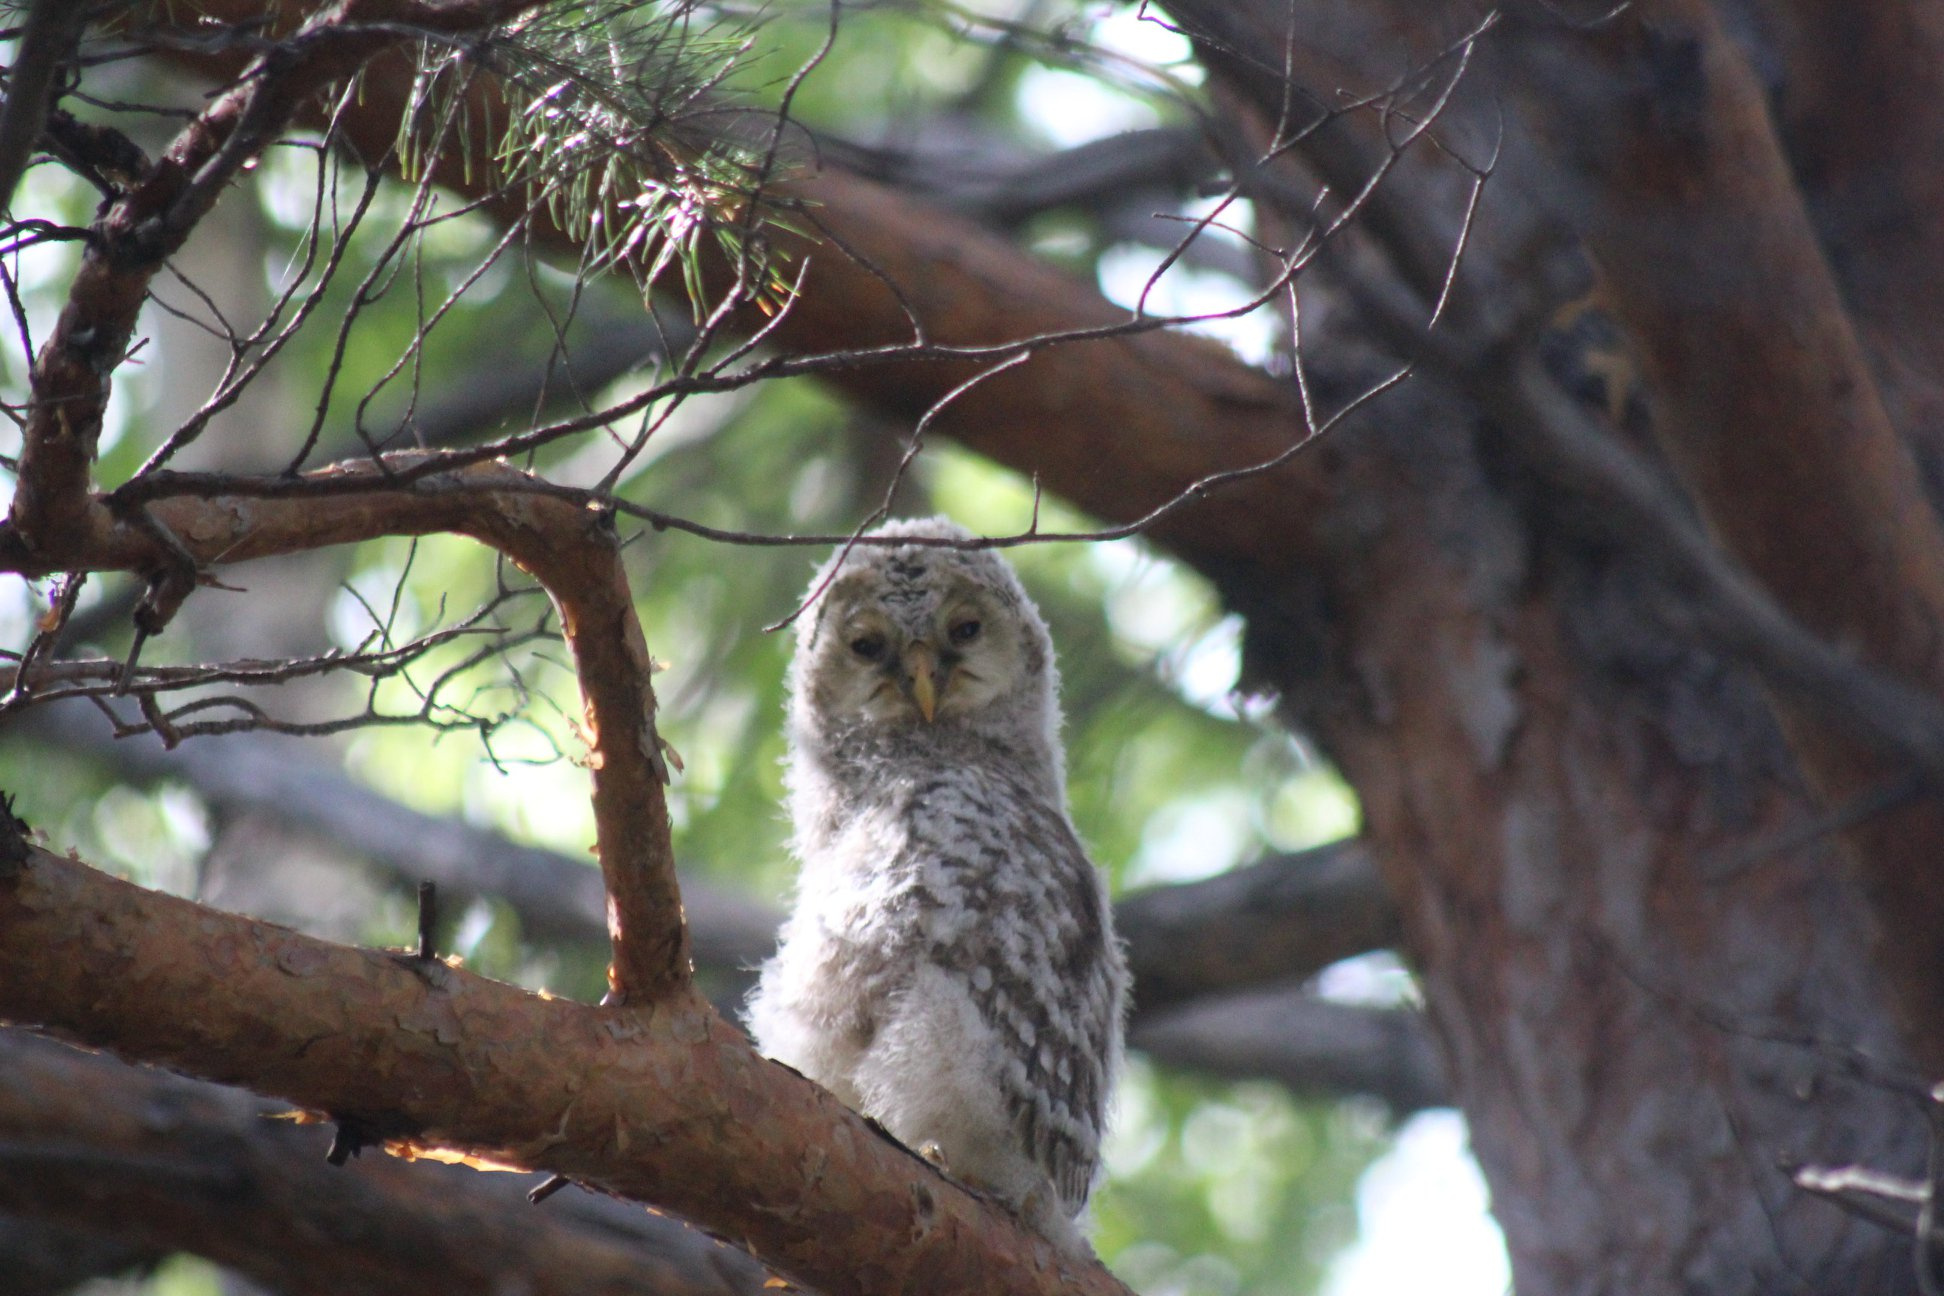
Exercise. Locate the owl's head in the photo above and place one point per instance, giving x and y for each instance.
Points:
(924, 638)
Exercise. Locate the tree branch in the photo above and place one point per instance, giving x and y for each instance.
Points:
(664, 1104)
(1311, 1045)
(1284, 919)
(1269, 924)
(1164, 409)
(80, 1147)
(128, 245)
(572, 551)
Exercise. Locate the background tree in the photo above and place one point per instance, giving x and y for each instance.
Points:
(1571, 489)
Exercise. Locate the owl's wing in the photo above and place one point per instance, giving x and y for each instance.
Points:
(1070, 1081)
(1035, 947)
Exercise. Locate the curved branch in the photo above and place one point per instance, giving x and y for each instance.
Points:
(572, 551)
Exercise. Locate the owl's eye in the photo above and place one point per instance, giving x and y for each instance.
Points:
(965, 631)
(870, 647)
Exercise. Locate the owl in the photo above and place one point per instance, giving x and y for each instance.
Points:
(950, 966)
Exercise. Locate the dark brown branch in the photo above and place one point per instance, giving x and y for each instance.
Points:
(1283, 919)
(1311, 1045)
(664, 1104)
(46, 43)
(80, 1148)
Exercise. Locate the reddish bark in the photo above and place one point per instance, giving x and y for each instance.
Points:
(1641, 1024)
(663, 1103)
(1763, 399)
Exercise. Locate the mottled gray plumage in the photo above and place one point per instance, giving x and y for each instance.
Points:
(950, 967)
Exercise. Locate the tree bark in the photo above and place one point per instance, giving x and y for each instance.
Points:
(165, 1164)
(1763, 399)
(1856, 108)
(662, 1103)
(1637, 1029)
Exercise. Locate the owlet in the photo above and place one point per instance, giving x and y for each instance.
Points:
(950, 966)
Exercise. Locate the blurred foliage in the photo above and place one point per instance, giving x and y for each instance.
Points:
(1214, 1188)
(1253, 1185)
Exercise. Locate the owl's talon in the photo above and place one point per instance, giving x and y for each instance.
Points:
(932, 1153)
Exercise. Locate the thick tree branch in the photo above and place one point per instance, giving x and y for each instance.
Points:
(1281, 919)
(1272, 923)
(664, 1104)
(81, 1146)
(1162, 410)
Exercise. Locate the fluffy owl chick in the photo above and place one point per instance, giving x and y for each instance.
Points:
(950, 967)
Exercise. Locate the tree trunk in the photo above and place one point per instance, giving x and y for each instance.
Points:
(1646, 1024)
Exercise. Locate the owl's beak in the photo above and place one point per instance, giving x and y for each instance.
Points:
(920, 672)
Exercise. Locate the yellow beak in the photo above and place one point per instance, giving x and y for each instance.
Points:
(920, 666)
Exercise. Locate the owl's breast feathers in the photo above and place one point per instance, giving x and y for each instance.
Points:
(975, 869)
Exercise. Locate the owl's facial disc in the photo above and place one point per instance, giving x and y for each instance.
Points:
(936, 659)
